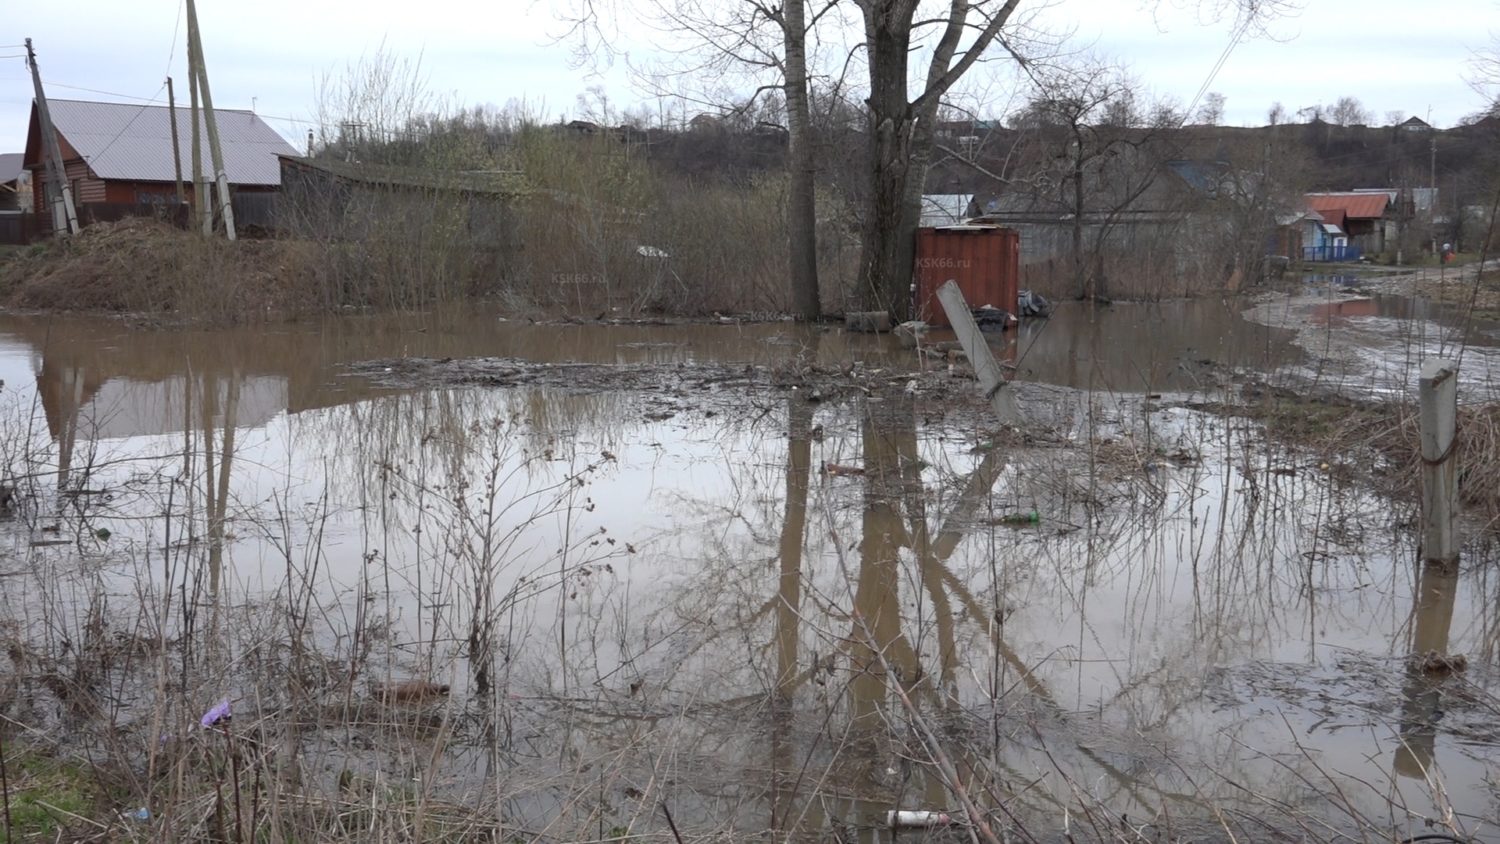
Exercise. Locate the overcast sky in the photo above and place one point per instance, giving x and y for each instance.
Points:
(1393, 55)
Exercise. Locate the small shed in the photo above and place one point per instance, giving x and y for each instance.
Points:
(985, 260)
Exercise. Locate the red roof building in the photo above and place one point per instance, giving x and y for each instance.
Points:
(1363, 215)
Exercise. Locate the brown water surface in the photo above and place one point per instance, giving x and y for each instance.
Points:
(736, 601)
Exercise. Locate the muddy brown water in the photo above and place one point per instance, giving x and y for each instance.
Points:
(1371, 346)
(677, 602)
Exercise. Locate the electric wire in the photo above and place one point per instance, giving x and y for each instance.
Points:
(130, 122)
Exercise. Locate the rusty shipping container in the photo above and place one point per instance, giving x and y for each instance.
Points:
(984, 260)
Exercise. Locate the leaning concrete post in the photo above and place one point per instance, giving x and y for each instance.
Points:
(1438, 393)
(986, 369)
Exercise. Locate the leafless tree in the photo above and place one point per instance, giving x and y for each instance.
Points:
(1099, 152)
(1211, 113)
(802, 217)
(902, 127)
(902, 102)
(901, 118)
(1484, 75)
(1276, 114)
(1348, 111)
(1395, 117)
(763, 43)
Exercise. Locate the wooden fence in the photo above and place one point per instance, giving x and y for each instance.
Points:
(19, 228)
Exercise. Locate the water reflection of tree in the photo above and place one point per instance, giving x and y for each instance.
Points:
(894, 523)
(360, 437)
(940, 610)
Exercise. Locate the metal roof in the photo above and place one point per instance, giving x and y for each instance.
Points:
(1357, 206)
(1293, 217)
(943, 208)
(11, 166)
(134, 143)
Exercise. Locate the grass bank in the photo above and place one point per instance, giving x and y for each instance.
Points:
(146, 266)
(1379, 442)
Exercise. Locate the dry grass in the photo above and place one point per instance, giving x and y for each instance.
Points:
(694, 250)
(1382, 442)
(147, 266)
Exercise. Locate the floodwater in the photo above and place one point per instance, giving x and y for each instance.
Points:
(758, 610)
(1372, 346)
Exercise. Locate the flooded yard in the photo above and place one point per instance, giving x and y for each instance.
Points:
(732, 582)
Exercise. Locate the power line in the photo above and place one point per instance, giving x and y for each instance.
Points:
(1219, 65)
(106, 93)
(157, 98)
(172, 51)
(130, 122)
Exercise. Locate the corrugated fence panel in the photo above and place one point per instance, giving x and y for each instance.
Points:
(983, 260)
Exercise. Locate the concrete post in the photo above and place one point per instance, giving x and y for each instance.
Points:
(986, 369)
(1438, 392)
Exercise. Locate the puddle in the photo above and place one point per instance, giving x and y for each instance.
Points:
(730, 599)
(1373, 346)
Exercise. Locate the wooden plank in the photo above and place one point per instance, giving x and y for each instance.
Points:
(1438, 394)
(991, 379)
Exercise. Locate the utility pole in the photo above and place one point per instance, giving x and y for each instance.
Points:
(176, 150)
(195, 47)
(201, 208)
(1432, 197)
(64, 217)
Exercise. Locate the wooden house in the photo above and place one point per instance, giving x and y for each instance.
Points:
(1363, 217)
(119, 154)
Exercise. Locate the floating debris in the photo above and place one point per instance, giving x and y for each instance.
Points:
(220, 712)
(917, 819)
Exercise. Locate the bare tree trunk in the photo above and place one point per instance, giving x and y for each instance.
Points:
(887, 243)
(802, 211)
(902, 132)
(885, 262)
(1080, 276)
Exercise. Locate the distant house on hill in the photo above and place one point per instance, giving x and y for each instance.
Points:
(121, 154)
(1414, 124)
